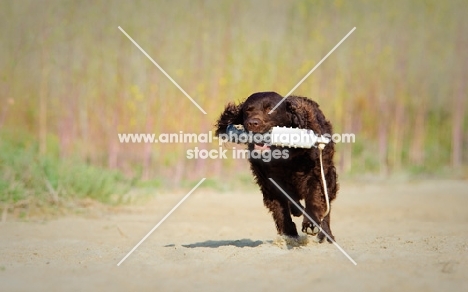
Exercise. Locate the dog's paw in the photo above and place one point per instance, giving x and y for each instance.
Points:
(310, 228)
(325, 232)
(321, 237)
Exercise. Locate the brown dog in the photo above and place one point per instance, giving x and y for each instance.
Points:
(298, 174)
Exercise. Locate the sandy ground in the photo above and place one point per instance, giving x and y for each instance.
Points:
(404, 237)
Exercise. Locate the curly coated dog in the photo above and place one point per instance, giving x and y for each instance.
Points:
(299, 174)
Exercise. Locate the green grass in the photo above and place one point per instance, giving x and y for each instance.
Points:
(25, 174)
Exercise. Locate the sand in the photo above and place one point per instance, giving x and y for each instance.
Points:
(408, 236)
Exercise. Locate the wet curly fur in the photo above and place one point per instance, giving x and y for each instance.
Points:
(298, 175)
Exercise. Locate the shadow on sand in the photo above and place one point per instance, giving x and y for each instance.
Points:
(218, 243)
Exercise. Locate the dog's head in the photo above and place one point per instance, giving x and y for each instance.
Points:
(254, 115)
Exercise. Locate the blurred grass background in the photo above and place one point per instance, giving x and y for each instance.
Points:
(70, 81)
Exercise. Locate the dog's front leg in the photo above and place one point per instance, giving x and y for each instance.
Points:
(282, 216)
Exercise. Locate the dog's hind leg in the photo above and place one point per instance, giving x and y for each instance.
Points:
(314, 207)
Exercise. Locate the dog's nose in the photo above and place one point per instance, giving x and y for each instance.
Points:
(253, 123)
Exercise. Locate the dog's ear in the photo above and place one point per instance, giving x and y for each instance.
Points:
(305, 113)
(297, 115)
(232, 114)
